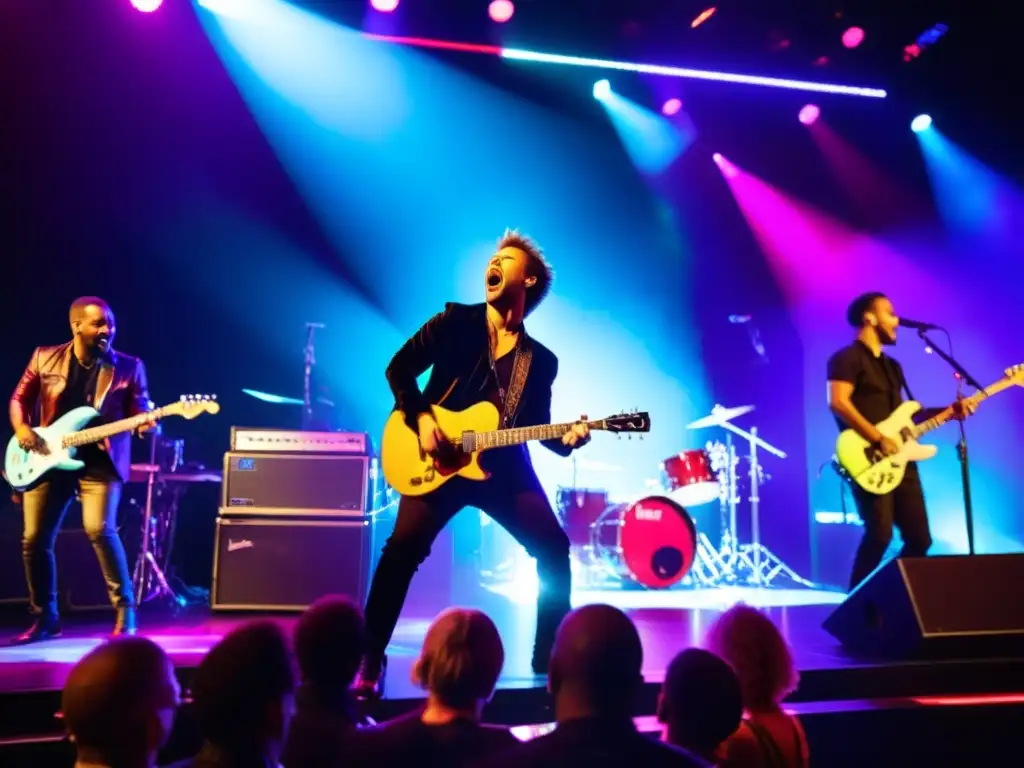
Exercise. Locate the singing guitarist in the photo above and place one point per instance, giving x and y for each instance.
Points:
(83, 372)
(479, 352)
(864, 387)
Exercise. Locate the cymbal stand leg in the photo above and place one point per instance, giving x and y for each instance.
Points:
(755, 501)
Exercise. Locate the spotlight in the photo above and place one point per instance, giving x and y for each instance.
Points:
(501, 11)
(602, 90)
(921, 123)
(671, 107)
(146, 6)
(702, 17)
(384, 6)
(853, 37)
(717, 158)
(809, 114)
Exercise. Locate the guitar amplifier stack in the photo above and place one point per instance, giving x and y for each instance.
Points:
(293, 523)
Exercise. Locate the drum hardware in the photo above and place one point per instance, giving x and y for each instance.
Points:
(734, 563)
(157, 532)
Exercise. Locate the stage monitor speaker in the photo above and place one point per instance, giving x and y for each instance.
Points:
(931, 607)
(286, 564)
(283, 484)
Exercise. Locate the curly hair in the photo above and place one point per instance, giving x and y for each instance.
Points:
(758, 653)
(537, 266)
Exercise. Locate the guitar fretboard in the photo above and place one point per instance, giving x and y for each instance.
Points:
(500, 438)
(947, 414)
(95, 434)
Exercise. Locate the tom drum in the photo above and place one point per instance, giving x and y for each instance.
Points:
(651, 541)
(690, 479)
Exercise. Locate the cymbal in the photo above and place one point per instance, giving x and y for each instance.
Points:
(720, 415)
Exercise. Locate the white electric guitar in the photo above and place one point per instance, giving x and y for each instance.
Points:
(24, 469)
(866, 466)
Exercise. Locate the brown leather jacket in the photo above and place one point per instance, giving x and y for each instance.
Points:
(121, 391)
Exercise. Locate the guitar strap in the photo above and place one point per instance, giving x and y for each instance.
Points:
(520, 370)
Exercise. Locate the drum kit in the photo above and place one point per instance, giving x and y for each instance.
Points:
(654, 542)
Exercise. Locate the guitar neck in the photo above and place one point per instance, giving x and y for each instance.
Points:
(500, 438)
(95, 434)
(948, 414)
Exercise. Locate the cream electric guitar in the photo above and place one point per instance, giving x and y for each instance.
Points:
(470, 432)
(878, 474)
(24, 469)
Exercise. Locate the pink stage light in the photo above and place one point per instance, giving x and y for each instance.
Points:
(501, 11)
(728, 169)
(809, 114)
(853, 37)
(384, 6)
(146, 6)
(671, 107)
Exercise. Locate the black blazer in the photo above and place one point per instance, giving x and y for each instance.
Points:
(455, 343)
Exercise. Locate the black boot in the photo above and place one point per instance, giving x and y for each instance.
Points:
(46, 627)
(369, 684)
(125, 623)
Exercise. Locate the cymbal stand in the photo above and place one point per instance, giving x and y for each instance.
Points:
(308, 360)
(144, 589)
(762, 566)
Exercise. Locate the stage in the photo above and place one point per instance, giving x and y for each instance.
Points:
(834, 687)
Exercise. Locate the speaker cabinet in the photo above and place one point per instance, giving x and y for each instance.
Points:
(280, 484)
(286, 564)
(929, 607)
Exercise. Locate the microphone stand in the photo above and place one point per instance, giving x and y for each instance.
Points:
(965, 470)
(309, 361)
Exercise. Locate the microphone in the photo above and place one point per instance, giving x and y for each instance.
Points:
(917, 325)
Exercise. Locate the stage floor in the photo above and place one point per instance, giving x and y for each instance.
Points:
(668, 621)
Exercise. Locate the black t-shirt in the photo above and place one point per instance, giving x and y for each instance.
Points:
(81, 391)
(877, 381)
(408, 741)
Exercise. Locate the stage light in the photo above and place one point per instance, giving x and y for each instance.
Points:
(728, 170)
(671, 107)
(384, 6)
(517, 54)
(146, 6)
(501, 11)
(809, 114)
(704, 16)
(853, 37)
(921, 123)
(602, 90)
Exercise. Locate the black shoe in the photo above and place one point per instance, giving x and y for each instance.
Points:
(369, 683)
(125, 623)
(45, 628)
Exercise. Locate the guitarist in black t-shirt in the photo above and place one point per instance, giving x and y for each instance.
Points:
(864, 387)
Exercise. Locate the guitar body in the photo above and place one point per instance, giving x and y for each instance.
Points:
(25, 470)
(412, 473)
(876, 474)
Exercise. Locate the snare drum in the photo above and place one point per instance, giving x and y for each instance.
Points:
(651, 541)
(690, 479)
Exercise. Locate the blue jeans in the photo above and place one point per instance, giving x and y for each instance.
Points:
(44, 507)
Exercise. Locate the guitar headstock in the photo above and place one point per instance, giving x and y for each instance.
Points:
(628, 422)
(1015, 374)
(191, 406)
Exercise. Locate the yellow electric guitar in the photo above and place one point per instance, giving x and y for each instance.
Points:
(862, 462)
(410, 472)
